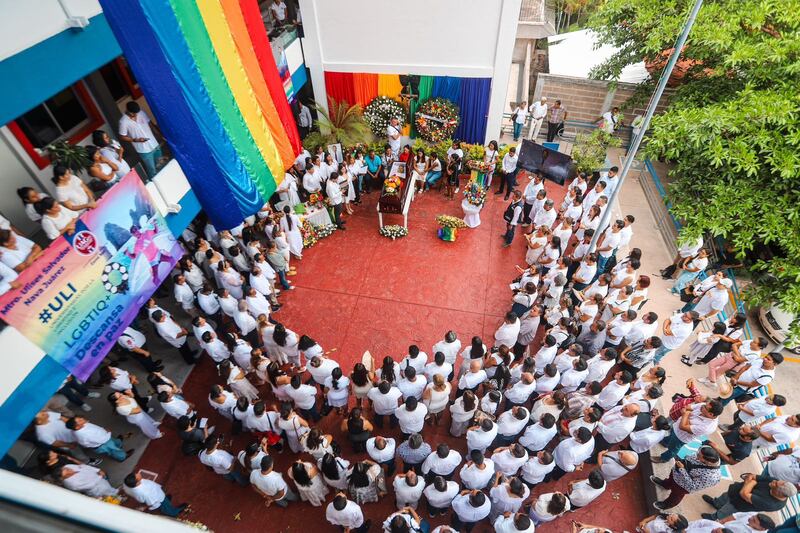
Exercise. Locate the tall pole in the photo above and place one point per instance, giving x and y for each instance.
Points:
(651, 109)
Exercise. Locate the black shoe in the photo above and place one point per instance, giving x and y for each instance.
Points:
(657, 480)
(660, 506)
(710, 501)
(709, 516)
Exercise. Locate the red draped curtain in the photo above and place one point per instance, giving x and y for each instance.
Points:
(340, 86)
(365, 87)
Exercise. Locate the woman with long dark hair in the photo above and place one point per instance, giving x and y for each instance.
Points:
(389, 370)
(362, 379)
(334, 471)
(365, 482)
(337, 391)
(125, 405)
(462, 410)
(307, 478)
(358, 430)
(290, 224)
(476, 350)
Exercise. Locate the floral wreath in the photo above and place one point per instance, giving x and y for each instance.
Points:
(436, 119)
(475, 194)
(391, 186)
(380, 111)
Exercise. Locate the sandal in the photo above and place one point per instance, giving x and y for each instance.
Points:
(685, 360)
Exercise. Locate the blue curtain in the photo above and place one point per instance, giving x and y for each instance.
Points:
(474, 103)
(446, 87)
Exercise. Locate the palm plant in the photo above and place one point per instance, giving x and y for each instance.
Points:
(73, 156)
(342, 123)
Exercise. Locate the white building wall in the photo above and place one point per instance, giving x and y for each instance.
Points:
(24, 23)
(463, 38)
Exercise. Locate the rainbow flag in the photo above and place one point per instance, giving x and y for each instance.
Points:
(207, 70)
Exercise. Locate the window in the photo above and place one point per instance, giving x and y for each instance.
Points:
(70, 114)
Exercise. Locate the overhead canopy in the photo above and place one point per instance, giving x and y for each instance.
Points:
(574, 54)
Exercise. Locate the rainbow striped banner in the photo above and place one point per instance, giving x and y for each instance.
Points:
(207, 70)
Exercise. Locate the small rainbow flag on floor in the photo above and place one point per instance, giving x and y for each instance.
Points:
(207, 71)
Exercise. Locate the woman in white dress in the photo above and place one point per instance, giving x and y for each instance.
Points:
(222, 401)
(29, 197)
(285, 342)
(536, 242)
(317, 444)
(362, 380)
(462, 411)
(237, 379)
(308, 480)
(329, 166)
(490, 158)
(125, 405)
(111, 150)
(231, 279)
(337, 391)
(293, 426)
(348, 174)
(287, 192)
(71, 192)
(436, 397)
(259, 364)
(589, 220)
(100, 167)
(420, 172)
(564, 232)
(290, 225)
(279, 237)
(334, 471)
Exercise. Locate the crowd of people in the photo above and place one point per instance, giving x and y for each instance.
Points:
(571, 380)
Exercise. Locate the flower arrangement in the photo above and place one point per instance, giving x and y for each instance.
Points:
(436, 119)
(480, 166)
(393, 231)
(391, 186)
(380, 111)
(113, 500)
(309, 234)
(196, 525)
(475, 194)
(324, 230)
(449, 221)
(314, 198)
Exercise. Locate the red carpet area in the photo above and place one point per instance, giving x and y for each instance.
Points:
(357, 291)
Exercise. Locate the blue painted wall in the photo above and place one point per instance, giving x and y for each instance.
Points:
(37, 73)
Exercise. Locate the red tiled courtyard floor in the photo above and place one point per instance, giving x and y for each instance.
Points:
(357, 291)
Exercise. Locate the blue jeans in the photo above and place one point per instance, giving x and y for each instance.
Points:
(737, 393)
(113, 448)
(73, 390)
(673, 445)
(236, 476)
(167, 508)
(517, 130)
(661, 351)
(432, 178)
(790, 526)
(509, 233)
(149, 160)
(282, 278)
(601, 265)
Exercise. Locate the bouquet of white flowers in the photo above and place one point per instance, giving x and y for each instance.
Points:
(394, 231)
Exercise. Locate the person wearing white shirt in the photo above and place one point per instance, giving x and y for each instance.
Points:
(56, 219)
(755, 409)
(381, 450)
(546, 354)
(174, 405)
(449, 346)
(442, 462)
(538, 435)
(415, 358)
(644, 439)
(697, 421)
(513, 523)
(257, 303)
(642, 329)
(439, 494)
(608, 244)
(513, 216)
(312, 180)
(472, 379)
(537, 467)
(411, 416)
(571, 452)
(600, 364)
(184, 295)
(408, 489)
(271, 485)
(8, 278)
(509, 460)
(96, 438)
(151, 495)
(478, 472)
(615, 390)
(506, 335)
(86, 479)
(614, 465)
(51, 429)
(174, 334)
(411, 384)
(469, 508)
(247, 325)
(686, 250)
(779, 430)
(335, 199)
(714, 300)
(509, 167)
(136, 128)
(521, 391)
(320, 368)
(545, 216)
(507, 496)
(615, 425)
(440, 366)
(519, 116)
(16, 251)
(393, 134)
(208, 302)
(347, 515)
(215, 348)
(583, 492)
(510, 424)
(384, 399)
(675, 330)
(538, 111)
(481, 436)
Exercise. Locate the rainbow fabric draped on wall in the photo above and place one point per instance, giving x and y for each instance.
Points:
(207, 71)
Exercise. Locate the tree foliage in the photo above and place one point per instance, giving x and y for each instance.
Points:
(340, 123)
(732, 129)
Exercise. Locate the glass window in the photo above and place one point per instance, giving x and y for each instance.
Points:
(113, 81)
(57, 117)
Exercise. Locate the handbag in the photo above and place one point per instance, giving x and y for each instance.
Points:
(272, 436)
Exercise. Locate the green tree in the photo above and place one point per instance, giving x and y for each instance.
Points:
(732, 129)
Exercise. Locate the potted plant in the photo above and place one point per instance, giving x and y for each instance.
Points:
(449, 226)
(72, 156)
(341, 123)
(589, 152)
